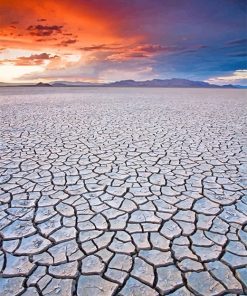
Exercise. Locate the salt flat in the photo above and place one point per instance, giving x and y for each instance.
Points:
(123, 191)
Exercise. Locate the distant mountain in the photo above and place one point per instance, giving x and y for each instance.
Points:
(43, 84)
(174, 82)
(240, 86)
(75, 83)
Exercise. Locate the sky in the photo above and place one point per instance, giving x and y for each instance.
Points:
(110, 40)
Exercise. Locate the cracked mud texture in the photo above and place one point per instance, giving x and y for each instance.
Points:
(123, 192)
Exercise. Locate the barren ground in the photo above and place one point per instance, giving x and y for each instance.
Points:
(123, 192)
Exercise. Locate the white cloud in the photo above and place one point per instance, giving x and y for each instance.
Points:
(237, 77)
(93, 67)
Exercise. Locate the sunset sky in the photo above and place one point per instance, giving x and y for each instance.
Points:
(109, 40)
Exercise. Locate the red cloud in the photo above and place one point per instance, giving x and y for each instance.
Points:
(155, 48)
(40, 30)
(67, 42)
(101, 47)
(123, 53)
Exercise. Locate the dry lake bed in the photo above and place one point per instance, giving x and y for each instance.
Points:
(131, 192)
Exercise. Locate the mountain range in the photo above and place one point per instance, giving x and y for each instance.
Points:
(174, 82)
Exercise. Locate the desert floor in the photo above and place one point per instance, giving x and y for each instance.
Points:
(123, 192)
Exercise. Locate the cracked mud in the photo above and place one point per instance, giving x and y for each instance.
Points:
(123, 192)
